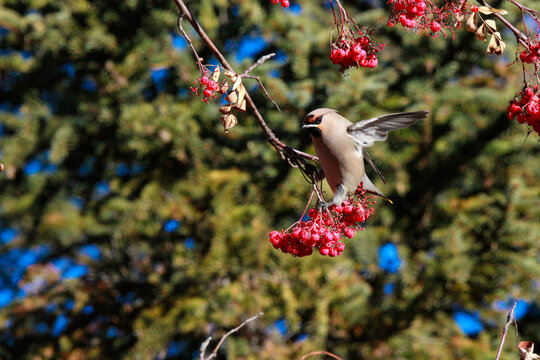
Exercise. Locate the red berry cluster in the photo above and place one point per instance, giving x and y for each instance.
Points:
(531, 55)
(208, 87)
(325, 229)
(284, 3)
(424, 15)
(527, 108)
(348, 51)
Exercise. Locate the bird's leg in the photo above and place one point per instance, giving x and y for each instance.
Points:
(339, 196)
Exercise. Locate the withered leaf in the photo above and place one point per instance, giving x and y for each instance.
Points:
(471, 23)
(229, 121)
(241, 93)
(485, 10)
(215, 75)
(481, 33)
(526, 351)
(489, 10)
(237, 81)
(496, 45)
(491, 26)
(225, 109)
(500, 49)
(242, 106)
(492, 46)
(232, 97)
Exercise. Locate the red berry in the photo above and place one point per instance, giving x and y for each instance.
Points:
(207, 93)
(373, 63)
(204, 80)
(285, 3)
(274, 1)
(212, 85)
(435, 26)
(474, 9)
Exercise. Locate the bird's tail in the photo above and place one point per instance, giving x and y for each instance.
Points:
(370, 188)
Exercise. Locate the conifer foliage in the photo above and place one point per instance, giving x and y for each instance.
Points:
(132, 227)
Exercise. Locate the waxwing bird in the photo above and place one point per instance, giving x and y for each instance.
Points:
(340, 146)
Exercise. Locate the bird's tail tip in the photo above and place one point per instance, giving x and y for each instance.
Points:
(387, 199)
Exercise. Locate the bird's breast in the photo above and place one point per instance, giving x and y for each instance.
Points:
(342, 163)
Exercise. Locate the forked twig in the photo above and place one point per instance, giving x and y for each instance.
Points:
(204, 345)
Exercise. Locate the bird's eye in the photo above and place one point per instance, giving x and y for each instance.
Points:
(310, 119)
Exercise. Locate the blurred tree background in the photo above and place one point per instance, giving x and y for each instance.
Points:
(132, 227)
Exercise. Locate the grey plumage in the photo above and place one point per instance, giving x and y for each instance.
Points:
(340, 146)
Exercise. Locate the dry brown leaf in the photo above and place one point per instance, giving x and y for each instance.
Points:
(237, 81)
(500, 49)
(229, 121)
(526, 350)
(491, 26)
(241, 93)
(225, 109)
(242, 106)
(471, 23)
(496, 45)
(224, 88)
(489, 10)
(232, 97)
(492, 46)
(485, 10)
(481, 33)
(216, 74)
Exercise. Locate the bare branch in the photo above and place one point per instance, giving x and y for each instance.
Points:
(271, 137)
(262, 86)
(204, 345)
(509, 319)
(257, 63)
(188, 39)
(321, 352)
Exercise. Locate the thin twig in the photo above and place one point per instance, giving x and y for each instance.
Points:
(271, 137)
(224, 337)
(188, 39)
(264, 89)
(257, 63)
(204, 345)
(320, 353)
(509, 319)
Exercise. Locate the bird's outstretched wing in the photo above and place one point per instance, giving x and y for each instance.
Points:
(366, 132)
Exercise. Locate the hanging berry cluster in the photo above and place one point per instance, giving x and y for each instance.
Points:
(284, 3)
(347, 51)
(526, 107)
(209, 85)
(423, 15)
(354, 45)
(325, 228)
(531, 55)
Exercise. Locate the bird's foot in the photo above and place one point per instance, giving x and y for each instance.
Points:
(324, 205)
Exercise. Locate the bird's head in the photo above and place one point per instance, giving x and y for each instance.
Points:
(315, 121)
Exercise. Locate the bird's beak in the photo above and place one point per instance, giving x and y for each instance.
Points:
(306, 126)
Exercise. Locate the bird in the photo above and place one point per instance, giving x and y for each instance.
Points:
(341, 147)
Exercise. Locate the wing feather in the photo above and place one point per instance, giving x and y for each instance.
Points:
(368, 158)
(366, 132)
